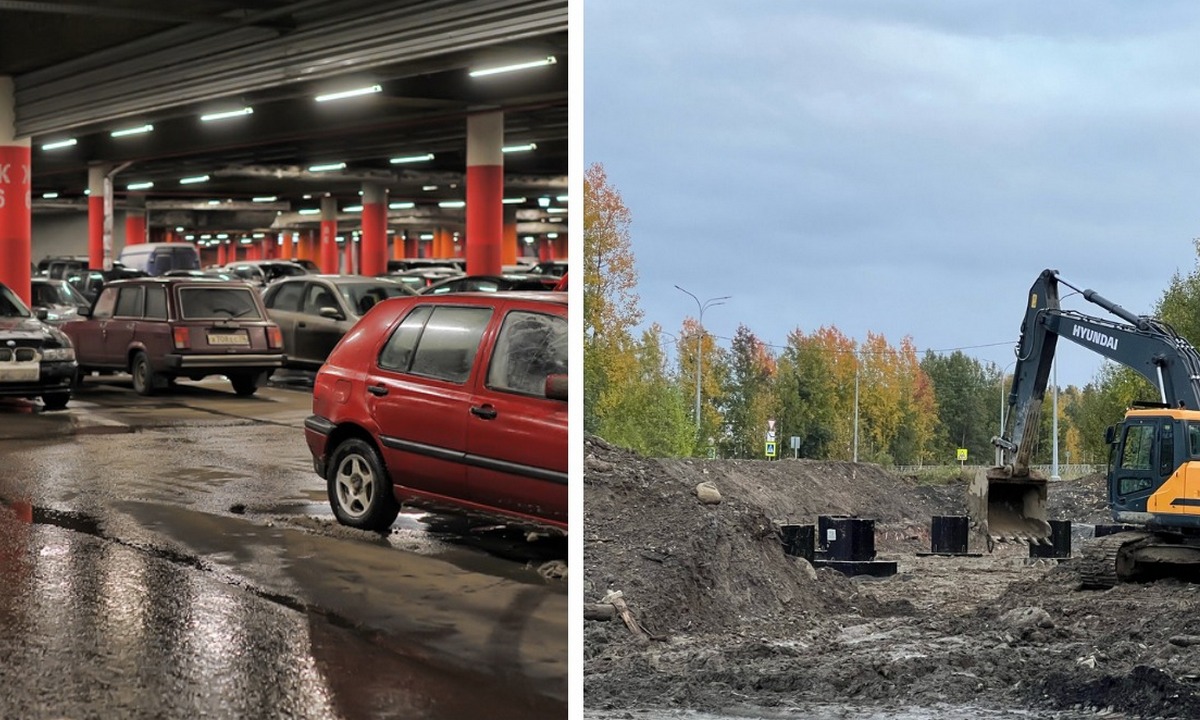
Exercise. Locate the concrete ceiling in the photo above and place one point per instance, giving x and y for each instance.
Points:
(84, 70)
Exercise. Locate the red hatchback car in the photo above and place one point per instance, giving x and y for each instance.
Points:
(451, 402)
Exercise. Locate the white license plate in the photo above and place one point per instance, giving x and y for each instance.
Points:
(19, 372)
(239, 338)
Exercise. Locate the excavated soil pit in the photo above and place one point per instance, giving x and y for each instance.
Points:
(734, 623)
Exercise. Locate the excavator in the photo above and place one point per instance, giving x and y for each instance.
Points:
(1154, 452)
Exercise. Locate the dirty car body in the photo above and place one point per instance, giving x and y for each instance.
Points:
(36, 359)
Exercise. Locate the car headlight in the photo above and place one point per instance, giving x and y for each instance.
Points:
(58, 354)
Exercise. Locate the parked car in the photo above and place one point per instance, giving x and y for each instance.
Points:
(315, 311)
(491, 283)
(160, 329)
(61, 266)
(308, 265)
(418, 280)
(557, 268)
(399, 266)
(218, 274)
(36, 359)
(89, 283)
(157, 258)
(60, 301)
(453, 402)
(264, 272)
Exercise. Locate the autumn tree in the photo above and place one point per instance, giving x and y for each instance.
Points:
(649, 414)
(968, 400)
(713, 379)
(610, 306)
(748, 398)
(913, 441)
(806, 395)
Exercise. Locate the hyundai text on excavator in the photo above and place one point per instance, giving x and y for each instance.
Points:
(1154, 453)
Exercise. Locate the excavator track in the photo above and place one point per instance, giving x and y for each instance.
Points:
(1098, 568)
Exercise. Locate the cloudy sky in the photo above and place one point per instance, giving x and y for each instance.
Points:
(901, 168)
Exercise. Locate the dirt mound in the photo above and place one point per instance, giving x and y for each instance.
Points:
(739, 622)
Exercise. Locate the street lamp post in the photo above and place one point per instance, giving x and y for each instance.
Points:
(1000, 450)
(701, 307)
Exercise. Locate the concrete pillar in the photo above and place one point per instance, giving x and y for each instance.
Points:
(348, 255)
(510, 249)
(412, 244)
(560, 247)
(374, 230)
(16, 209)
(485, 193)
(135, 220)
(329, 249)
(221, 254)
(99, 216)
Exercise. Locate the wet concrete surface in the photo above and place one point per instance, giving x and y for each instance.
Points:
(176, 555)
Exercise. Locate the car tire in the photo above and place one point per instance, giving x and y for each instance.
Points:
(245, 385)
(56, 401)
(144, 379)
(360, 491)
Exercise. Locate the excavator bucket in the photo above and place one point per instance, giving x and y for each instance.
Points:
(1004, 508)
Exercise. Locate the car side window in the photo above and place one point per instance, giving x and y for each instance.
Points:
(129, 302)
(105, 304)
(317, 297)
(447, 348)
(156, 303)
(531, 347)
(286, 297)
(397, 353)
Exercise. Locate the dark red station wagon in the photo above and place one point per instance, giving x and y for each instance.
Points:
(451, 402)
(162, 328)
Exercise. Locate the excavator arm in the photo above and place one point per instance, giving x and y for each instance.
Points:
(1009, 501)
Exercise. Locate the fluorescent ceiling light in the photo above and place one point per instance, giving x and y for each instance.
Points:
(548, 60)
(189, 237)
(265, 198)
(222, 236)
(193, 180)
(529, 239)
(552, 236)
(227, 114)
(259, 235)
(59, 144)
(555, 219)
(49, 195)
(411, 159)
(246, 241)
(206, 236)
(563, 198)
(139, 185)
(309, 211)
(426, 236)
(214, 202)
(452, 203)
(401, 206)
(327, 167)
(556, 210)
(352, 208)
(519, 148)
(350, 93)
(544, 202)
(178, 228)
(429, 188)
(512, 201)
(132, 131)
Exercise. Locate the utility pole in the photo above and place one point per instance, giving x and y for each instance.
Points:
(701, 307)
(856, 365)
(1054, 457)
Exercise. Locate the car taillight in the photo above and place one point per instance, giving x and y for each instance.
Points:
(274, 337)
(182, 338)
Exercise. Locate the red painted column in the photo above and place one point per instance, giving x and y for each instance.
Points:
(329, 249)
(221, 254)
(96, 174)
(16, 217)
(374, 230)
(135, 221)
(512, 245)
(485, 193)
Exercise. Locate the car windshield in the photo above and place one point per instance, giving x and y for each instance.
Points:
(197, 302)
(11, 305)
(362, 296)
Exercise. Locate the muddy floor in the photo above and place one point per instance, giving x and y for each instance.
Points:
(734, 626)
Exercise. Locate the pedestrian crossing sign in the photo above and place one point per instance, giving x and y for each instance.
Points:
(770, 449)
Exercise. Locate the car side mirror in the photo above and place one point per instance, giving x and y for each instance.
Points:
(42, 312)
(1110, 434)
(556, 387)
(85, 311)
(331, 312)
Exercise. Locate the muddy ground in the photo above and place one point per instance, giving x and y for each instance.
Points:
(737, 624)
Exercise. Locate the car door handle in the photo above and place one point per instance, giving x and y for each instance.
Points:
(301, 324)
(487, 412)
(378, 390)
